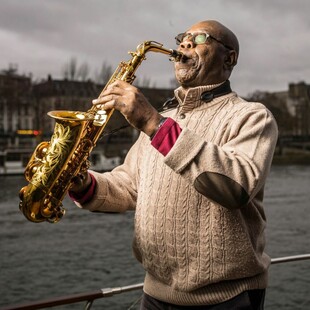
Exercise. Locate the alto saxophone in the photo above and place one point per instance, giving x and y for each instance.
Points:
(53, 164)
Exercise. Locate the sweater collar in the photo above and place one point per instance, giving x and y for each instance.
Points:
(190, 99)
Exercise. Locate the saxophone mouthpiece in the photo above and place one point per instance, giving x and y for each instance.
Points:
(176, 55)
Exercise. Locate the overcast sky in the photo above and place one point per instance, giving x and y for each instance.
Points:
(41, 36)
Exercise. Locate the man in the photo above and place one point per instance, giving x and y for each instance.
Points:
(195, 179)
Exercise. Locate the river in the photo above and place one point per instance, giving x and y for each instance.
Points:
(89, 251)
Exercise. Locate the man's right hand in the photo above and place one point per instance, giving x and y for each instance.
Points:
(80, 182)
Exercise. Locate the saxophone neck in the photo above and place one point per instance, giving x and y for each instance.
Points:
(153, 46)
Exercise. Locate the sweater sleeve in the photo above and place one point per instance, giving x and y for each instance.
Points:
(115, 191)
(231, 174)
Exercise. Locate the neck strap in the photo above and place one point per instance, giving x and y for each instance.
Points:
(219, 91)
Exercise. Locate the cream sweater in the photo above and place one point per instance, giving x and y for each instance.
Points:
(199, 218)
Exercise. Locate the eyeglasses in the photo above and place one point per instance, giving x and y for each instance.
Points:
(198, 38)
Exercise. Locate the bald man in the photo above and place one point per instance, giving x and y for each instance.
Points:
(195, 179)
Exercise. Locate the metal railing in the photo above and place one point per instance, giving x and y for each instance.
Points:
(89, 297)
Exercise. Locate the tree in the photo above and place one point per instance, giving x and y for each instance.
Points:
(83, 71)
(105, 73)
(144, 82)
(70, 69)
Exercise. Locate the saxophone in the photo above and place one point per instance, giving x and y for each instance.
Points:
(53, 164)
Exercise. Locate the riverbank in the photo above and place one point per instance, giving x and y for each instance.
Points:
(291, 156)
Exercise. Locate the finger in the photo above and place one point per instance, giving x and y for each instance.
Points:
(119, 84)
(119, 88)
(104, 99)
(114, 104)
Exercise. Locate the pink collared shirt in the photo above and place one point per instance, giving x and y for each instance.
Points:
(166, 136)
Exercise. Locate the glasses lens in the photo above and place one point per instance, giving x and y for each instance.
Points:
(200, 38)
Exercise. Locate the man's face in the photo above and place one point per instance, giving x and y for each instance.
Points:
(203, 63)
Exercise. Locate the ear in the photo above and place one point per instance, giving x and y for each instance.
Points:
(230, 59)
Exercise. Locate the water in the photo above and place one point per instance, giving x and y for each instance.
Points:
(85, 252)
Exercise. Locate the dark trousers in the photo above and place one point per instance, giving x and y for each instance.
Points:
(249, 300)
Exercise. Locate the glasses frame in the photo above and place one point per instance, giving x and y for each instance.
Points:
(180, 36)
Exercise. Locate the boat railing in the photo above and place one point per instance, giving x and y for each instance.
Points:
(90, 297)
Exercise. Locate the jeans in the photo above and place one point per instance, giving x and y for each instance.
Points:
(248, 300)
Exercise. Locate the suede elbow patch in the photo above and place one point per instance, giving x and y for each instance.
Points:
(221, 189)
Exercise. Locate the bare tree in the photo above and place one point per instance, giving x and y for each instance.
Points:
(70, 69)
(105, 73)
(83, 71)
(144, 82)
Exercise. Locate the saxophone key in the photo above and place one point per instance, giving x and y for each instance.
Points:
(100, 118)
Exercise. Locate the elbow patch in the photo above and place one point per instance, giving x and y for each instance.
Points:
(221, 189)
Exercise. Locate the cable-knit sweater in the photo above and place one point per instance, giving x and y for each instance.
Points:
(199, 218)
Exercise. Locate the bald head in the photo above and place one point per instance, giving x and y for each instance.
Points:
(220, 32)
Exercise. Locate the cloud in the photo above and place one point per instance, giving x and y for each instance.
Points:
(42, 35)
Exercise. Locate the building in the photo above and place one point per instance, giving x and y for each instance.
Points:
(291, 109)
(24, 105)
(70, 95)
(64, 94)
(17, 111)
(299, 98)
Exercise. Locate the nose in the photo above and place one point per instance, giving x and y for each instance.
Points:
(187, 43)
